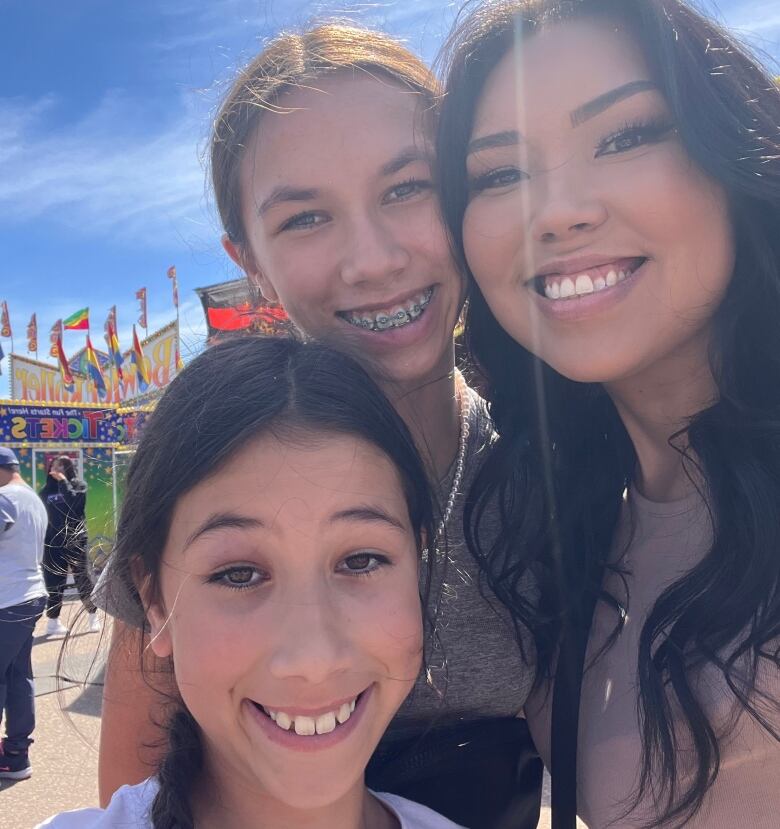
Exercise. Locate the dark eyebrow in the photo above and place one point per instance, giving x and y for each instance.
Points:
(404, 158)
(608, 99)
(367, 512)
(508, 138)
(284, 194)
(221, 521)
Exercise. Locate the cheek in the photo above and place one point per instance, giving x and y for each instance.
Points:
(390, 626)
(493, 236)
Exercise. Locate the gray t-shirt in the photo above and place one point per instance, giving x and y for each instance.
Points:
(22, 531)
(473, 669)
(665, 541)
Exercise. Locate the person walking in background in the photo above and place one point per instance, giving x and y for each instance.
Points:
(22, 599)
(65, 498)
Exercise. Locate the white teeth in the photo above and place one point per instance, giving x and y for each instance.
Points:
(305, 726)
(621, 276)
(583, 284)
(612, 278)
(567, 288)
(599, 283)
(308, 726)
(325, 723)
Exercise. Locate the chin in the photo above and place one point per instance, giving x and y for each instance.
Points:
(310, 790)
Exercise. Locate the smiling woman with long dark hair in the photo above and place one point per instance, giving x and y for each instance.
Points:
(611, 178)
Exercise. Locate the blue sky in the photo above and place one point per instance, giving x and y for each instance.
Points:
(104, 118)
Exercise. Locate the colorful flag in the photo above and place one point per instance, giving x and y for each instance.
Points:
(54, 335)
(32, 335)
(78, 321)
(140, 295)
(94, 370)
(67, 377)
(137, 359)
(5, 321)
(172, 276)
(114, 350)
(110, 321)
(179, 361)
(2, 354)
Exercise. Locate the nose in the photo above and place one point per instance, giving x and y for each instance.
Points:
(311, 641)
(565, 209)
(373, 252)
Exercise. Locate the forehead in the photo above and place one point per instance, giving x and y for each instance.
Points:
(348, 118)
(553, 72)
(301, 479)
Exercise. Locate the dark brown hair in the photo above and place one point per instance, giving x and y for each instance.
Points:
(290, 61)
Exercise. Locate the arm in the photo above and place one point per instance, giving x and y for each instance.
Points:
(7, 514)
(75, 497)
(132, 741)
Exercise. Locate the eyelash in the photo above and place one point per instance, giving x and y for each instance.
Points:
(381, 561)
(650, 131)
(221, 577)
(419, 184)
(491, 179)
(297, 222)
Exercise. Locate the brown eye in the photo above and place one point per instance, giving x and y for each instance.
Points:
(239, 578)
(363, 563)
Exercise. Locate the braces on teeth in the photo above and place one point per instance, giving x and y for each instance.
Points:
(399, 317)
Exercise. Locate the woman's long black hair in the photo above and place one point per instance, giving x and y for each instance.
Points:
(564, 457)
(229, 394)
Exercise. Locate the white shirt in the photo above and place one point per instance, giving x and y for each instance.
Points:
(129, 809)
(23, 523)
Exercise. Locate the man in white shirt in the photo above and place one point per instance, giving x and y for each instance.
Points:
(22, 600)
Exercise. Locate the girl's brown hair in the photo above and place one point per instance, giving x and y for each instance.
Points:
(290, 61)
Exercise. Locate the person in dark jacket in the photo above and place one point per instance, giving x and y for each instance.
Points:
(65, 498)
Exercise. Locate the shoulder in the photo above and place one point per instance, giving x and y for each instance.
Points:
(413, 815)
(129, 807)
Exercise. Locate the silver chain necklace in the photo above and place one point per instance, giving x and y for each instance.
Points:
(464, 415)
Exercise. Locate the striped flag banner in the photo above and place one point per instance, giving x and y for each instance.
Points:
(54, 335)
(78, 321)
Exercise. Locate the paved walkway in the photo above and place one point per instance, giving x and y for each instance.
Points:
(64, 756)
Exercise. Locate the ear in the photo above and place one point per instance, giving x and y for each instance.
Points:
(246, 261)
(159, 632)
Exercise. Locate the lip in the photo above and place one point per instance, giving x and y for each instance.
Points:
(387, 303)
(317, 742)
(581, 264)
(588, 305)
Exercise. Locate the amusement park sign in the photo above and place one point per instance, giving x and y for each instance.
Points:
(34, 381)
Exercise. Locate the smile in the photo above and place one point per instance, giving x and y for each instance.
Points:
(308, 726)
(395, 316)
(593, 280)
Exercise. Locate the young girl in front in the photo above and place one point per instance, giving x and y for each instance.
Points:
(272, 527)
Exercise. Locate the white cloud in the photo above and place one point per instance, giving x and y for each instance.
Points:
(104, 174)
